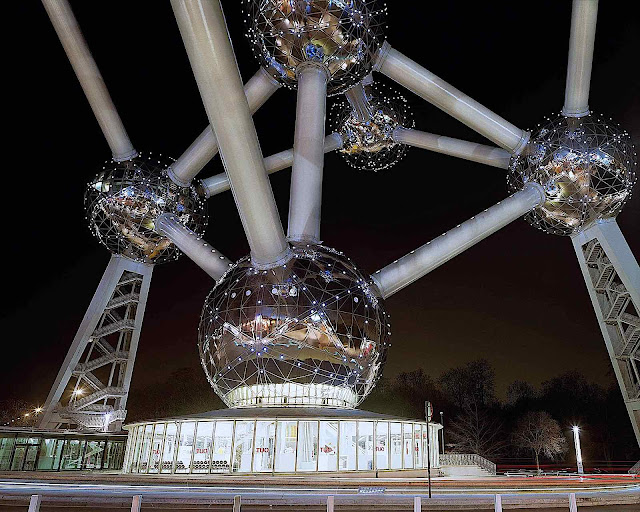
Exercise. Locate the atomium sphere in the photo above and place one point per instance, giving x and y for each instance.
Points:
(586, 166)
(123, 201)
(343, 35)
(369, 146)
(311, 332)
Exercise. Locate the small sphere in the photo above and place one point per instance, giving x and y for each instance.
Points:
(311, 332)
(123, 201)
(586, 166)
(343, 36)
(369, 145)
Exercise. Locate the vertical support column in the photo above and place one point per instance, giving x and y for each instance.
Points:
(305, 202)
(86, 69)
(34, 503)
(612, 276)
(584, 16)
(108, 336)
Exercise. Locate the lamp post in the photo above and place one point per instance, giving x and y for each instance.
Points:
(576, 440)
(428, 412)
(442, 430)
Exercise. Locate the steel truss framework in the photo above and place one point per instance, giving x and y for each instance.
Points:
(577, 185)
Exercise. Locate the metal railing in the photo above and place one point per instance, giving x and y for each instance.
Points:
(467, 459)
(635, 469)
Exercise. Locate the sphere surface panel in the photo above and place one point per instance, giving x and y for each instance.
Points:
(123, 201)
(311, 332)
(369, 145)
(586, 166)
(343, 35)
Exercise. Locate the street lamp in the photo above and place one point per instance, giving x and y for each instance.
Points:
(576, 440)
(442, 430)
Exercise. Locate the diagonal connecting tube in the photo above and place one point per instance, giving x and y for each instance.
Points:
(584, 16)
(204, 32)
(190, 243)
(357, 98)
(489, 155)
(86, 69)
(305, 202)
(258, 90)
(273, 163)
(418, 263)
(443, 95)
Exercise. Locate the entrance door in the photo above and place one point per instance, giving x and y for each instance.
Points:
(18, 457)
(30, 458)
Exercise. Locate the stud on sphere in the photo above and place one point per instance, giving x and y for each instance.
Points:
(312, 332)
(123, 201)
(586, 166)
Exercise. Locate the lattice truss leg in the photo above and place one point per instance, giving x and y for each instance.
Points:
(91, 389)
(612, 276)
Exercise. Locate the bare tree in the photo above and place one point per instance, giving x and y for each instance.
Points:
(538, 432)
(477, 430)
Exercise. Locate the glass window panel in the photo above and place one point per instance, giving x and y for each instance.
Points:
(408, 446)
(185, 448)
(328, 451)
(169, 450)
(265, 437)
(307, 446)
(116, 456)
(243, 447)
(136, 450)
(424, 446)
(221, 459)
(396, 445)
(6, 449)
(93, 455)
(365, 445)
(286, 446)
(417, 445)
(18, 457)
(50, 452)
(72, 454)
(156, 447)
(30, 458)
(347, 446)
(202, 453)
(382, 445)
(146, 449)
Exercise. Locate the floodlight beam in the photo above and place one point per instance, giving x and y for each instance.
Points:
(206, 38)
(584, 16)
(418, 263)
(91, 81)
(481, 153)
(447, 98)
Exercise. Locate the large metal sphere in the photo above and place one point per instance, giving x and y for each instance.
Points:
(344, 35)
(123, 201)
(586, 166)
(369, 146)
(311, 332)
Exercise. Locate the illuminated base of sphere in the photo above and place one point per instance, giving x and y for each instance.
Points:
(369, 146)
(586, 166)
(282, 441)
(311, 332)
(124, 199)
(343, 36)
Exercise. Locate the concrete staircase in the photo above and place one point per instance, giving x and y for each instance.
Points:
(458, 465)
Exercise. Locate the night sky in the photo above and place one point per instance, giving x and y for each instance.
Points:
(517, 298)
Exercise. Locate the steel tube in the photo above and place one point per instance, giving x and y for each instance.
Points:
(305, 202)
(190, 243)
(258, 90)
(204, 32)
(220, 182)
(86, 69)
(496, 157)
(413, 266)
(357, 98)
(584, 16)
(443, 95)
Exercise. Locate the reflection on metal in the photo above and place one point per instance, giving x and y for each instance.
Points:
(311, 332)
(342, 36)
(91, 389)
(586, 166)
(124, 200)
(612, 277)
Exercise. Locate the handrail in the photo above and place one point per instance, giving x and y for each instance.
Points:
(467, 459)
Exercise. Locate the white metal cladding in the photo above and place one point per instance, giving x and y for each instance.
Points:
(279, 445)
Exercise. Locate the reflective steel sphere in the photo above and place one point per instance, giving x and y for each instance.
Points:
(311, 332)
(124, 199)
(344, 35)
(586, 166)
(369, 146)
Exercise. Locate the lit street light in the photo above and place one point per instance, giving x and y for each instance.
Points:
(576, 439)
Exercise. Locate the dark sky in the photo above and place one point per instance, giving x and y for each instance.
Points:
(517, 298)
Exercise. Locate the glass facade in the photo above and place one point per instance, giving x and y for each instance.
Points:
(279, 445)
(42, 451)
